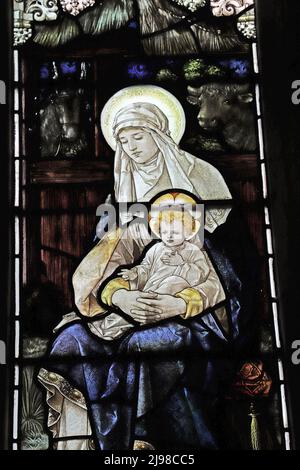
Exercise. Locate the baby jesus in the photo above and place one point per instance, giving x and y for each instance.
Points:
(174, 263)
(176, 266)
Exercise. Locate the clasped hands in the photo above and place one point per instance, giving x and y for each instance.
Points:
(148, 307)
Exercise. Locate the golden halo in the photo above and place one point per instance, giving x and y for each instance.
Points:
(156, 95)
(172, 198)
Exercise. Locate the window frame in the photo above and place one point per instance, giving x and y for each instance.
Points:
(281, 143)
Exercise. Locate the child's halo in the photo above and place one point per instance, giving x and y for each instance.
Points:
(171, 202)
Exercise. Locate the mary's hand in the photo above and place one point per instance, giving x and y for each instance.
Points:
(127, 301)
(148, 307)
(169, 305)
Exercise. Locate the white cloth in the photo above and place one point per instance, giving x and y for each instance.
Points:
(67, 416)
(179, 170)
(153, 271)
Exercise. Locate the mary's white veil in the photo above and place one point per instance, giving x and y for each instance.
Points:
(184, 170)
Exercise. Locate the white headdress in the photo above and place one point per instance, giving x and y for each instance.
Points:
(184, 170)
(171, 168)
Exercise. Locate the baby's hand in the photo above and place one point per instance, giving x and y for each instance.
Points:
(129, 274)
(172, 259)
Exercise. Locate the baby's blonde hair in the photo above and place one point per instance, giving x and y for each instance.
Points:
(169, 216)
(183, 216)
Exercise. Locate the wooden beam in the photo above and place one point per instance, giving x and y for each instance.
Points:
(236, 167)
(68, 172)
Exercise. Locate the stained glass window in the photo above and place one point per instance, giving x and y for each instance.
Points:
(125, 337)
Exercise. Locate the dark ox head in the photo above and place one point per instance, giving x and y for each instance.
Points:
(68, 114)
(61, 124)
(220, 104)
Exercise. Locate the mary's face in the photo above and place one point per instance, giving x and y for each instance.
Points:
(138, 144)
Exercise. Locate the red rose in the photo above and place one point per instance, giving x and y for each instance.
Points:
(252, 380)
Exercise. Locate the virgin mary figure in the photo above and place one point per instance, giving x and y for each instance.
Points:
(160, 379)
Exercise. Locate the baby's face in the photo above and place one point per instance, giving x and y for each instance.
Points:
(172, 233)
